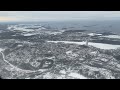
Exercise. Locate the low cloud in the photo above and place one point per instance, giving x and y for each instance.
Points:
(58, 15)
(7, 19)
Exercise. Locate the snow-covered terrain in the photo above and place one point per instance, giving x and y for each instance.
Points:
(55, 33)
(24, 27)
(15, 27)
(98, 45)
(73, 75)
(29, 34)
(62, 56)
(93, 34)
(76, 75)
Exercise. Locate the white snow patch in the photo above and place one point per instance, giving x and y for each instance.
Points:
(16, 27)
(104, 59)
(28, 34)
(93, 34)
(47, 76)
(23, 29)
(98, 45)
(98, 34)
(51, 57)
(14, 35)
(69, 52)
(76, 75)
(55, 33)
(63, 72)
(20, 45)
(1, 49)
(93, 52)
(52, 32)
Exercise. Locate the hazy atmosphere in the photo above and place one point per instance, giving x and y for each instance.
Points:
(6, 16)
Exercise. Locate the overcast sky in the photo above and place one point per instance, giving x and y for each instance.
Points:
(58, 15)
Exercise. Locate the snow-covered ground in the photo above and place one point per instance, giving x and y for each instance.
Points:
(24, 27)
(76, 75)
(1, 49)
(14, 35)
(73, 75)
(93, 34)
(112, 36)
(55, 33)
(29, 34)
(19, 28)
(63, 72)
(20, 45)
(98, 45)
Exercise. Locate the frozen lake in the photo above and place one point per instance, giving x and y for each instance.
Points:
(98, 45)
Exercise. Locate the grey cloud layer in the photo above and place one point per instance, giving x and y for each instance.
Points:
(60, 15)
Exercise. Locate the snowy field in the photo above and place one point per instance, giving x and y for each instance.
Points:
(19, 28)
(98, 45)
(52, 32)
(93, 34)
(73, 75)
(23, 27)
(76, 75)
(29, 34)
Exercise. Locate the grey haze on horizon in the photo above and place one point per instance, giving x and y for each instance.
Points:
(58, 15)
